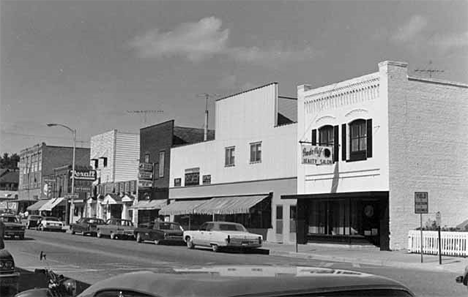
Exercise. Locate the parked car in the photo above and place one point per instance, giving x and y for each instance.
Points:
(219, 235)
(159, 232)
(116, 228)
(9, 277)
(51, 224)
(86, 226)
(33, 221)
(262, 280)
(463, 279)
(13, 226)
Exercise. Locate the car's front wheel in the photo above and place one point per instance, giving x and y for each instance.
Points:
(73, 231)
(189, 242)
(215, 248)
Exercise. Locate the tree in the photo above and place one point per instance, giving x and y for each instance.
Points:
(9, 162)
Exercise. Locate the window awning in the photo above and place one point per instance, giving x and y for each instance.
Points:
(112, 199)
(37, 205)
(181, 207)
(128, 198)
(150, 204)
(51, 204)
(229, 205)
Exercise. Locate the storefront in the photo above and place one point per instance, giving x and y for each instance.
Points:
(148, 210)
(352, 218)
(54, 207)
(116, 206)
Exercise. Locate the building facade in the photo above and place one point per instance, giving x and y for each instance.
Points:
(114, 157)
(242, 173)
(156, 142)
(391, 135)
(39, 161)
(9, 180)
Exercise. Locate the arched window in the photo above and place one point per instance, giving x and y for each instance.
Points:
(326, 136)
(358, 140)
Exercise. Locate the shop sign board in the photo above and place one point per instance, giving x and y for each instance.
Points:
(316, 154)
(146, 167)
(145, 175)
(84, 174)
(145, 184)
(421, 202)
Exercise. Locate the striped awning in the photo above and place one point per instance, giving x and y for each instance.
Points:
(181, 207)
(229, 205)
(51, 204)
(37, 205)
(149, 204)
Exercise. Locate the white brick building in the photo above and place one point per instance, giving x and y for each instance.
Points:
(251, 162)
(392, 135)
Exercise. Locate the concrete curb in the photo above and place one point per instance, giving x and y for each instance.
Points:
(383, 263)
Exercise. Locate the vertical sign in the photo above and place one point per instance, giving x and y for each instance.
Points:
(421, 205)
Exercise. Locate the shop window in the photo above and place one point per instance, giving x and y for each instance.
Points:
(256, 152)
(229, 157)
(292, 218)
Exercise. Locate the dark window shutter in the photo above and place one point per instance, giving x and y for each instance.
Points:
(314, 137)
(369, 138)
(343, 142)
(335, 144)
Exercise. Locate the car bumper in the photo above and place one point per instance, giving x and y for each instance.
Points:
(10, 280)
(174, 238)
(58, 228)
(14, 232)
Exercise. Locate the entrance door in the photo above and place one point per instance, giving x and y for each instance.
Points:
(371, 220)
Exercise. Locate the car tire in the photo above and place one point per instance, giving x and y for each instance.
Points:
(112, 236)
(99, 234)
(41, 228)
(21, 236)
(138, 238)
(73, 231)
(189, 242)
(215, 248)
(157, 242)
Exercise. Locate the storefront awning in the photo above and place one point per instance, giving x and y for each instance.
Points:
(128, 198)
(181, 207)
(229, 205)
(51, 204)
(37, 205)
(112, 199)
(149, 204)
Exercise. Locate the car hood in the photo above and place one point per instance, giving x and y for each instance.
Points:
(241, 280)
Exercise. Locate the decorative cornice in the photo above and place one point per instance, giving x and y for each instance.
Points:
(357, 110)
(325, 118)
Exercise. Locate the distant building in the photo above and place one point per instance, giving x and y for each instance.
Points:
(39, 161)
(114, 156)
(391, 135)
(9, 180)
(241, 175)
(156, 142)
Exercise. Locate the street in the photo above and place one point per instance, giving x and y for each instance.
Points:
(90, 259)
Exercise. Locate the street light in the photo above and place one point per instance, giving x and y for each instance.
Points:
(67, 209)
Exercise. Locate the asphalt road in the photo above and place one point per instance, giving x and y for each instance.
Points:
(90, 259)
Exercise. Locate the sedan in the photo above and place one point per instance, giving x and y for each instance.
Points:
(159, 232)
(50, 224)
(86, 226)
(33, 221)
(265, 281)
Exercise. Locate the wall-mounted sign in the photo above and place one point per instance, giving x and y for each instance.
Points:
(146, 167)
(145, 184)
(421, 202)
(177, 182)
(206, 179)
(192, 176)
(145, 175)
(317, 155)
(84, 174)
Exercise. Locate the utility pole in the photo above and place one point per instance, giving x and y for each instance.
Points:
(429, 71)
(143, 113)
(205, 127)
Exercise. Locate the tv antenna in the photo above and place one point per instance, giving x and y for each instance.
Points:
(205, 127)
(144, 113)
(429, 71)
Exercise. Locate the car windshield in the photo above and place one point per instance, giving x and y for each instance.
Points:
(95, 221)
(51, 219)
(34, 217)
(9, 219)
(232, 227)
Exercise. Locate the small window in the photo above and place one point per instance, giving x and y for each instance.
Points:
(147, 158)
(229, 156)
(255, 152)
(96, 163)
(162, 156)
(326, 137)
(358, 140)
(104, 162)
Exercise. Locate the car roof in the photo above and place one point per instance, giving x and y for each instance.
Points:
(261, 280)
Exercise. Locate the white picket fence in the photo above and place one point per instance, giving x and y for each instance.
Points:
(452, 243)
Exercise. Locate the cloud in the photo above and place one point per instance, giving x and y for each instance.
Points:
(410, 30)
(204, 39)
(454, 41)
(195, 41)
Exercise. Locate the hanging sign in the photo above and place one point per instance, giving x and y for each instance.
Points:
(317, 155)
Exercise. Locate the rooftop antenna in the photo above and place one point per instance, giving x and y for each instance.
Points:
(205, 128)
(143, 113)
(429, 71)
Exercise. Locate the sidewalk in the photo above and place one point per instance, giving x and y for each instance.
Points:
(367, 255)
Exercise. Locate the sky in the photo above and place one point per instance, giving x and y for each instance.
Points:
(94, 65)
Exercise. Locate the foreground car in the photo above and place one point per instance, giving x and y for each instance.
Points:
(158, 232)
(463, 279)
(51, 224)
(86, 226)
(33, 221)
(222, 235)
(13, 227)
(223, 281)
(116, 228)
(9, 278)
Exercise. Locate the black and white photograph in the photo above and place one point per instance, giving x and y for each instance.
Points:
(228, 148)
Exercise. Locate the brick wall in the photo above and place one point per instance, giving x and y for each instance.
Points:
(428, 150)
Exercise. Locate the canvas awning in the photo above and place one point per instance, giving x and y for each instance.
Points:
(128, 198)
(181, 207)
(112, 199)
(229, 205)
(37, 205)
(149, 204)
(51, 203)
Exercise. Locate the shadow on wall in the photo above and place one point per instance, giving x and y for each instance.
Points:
(336, 178)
